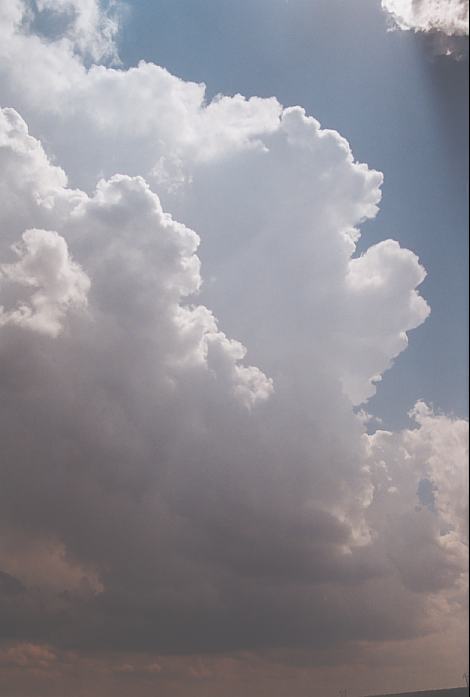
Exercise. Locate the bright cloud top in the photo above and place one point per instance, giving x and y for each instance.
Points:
(447, 16)
(192, 493)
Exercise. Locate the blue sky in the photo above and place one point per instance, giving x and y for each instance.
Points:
(403, 111)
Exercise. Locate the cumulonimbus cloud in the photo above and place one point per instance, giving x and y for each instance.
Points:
(198, 492)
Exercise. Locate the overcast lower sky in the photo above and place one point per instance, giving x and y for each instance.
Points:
(233, 347)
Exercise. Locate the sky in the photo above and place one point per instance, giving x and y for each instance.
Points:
(233, 338)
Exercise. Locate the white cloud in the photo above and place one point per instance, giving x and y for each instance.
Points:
(151, 278)
(87, 26)
(229, 166)
(208, 494)
(58, 284)
(420, 507)
(447, 16)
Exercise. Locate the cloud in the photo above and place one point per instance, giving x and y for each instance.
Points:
(189, 491)
(435, 530)
(449, 17)
(60, 284)
(85, 26)
(446, 22)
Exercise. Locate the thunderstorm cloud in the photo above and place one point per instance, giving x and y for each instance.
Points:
(187, 335)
